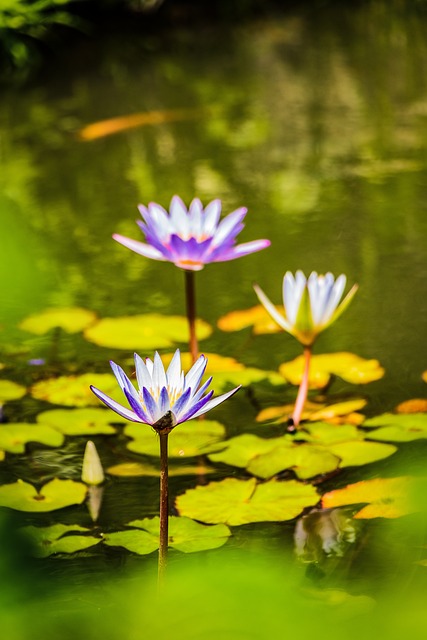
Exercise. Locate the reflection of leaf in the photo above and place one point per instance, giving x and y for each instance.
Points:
(347, 366)
(403, 427)
(188, 440)
(235, 502)
(80, 422)
(71, 320)
(135, 469)
(187, 535)
(256, 316)
(151, 331)
(50, 540)
(14, 437)
(74, 391)
(338, 413)
(10, 390)
(54, 495)
(385, 497)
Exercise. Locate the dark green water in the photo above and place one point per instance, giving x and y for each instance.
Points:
(316, 121)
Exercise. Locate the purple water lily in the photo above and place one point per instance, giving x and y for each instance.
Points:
(193, 237)
(164, 398)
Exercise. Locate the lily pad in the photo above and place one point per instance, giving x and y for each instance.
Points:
(136, 469)
(357, 453)
(403, 427)
(187, 440)
(51, 540)
(14, 436)
(80, 422)
(384, 497)
(10, 390)
(235, 502)
(324, 433)
(70, 319)
(415, 405)
(150, 331)
(74, 391)
(135, 540)
(56, 494)
(186, 534)
(348, 366)
(344, 412)
(256, 317)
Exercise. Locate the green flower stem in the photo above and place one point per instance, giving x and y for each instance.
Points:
(190, 295)
(303, 389)
(164, 505)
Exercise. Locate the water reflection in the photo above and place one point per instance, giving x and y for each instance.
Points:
(322, 533)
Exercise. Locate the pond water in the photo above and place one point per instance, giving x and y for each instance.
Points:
(316, 122)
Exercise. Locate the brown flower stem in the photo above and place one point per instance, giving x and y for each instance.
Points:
(190, 295)
(303, 389)
(164, 506)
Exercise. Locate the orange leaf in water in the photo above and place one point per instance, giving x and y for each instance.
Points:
(416, 405)
(122, 123)
(256, 317)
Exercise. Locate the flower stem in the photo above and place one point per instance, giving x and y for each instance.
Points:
(303, 389)
(190, 295)
(164, 506)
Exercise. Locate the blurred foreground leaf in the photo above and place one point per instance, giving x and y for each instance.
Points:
(54, 495)
(10, 390)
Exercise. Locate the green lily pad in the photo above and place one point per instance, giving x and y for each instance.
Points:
(357, 453)
(305, 460)
(135, 540)
(325, 433)
(14, 436)
(150, 331)
(136, 469)
(235, 502)
(187, 440)
(185, 534)
(74, 391)
(70, 319)
(10, 390)
(384, 497)
(80, 422)
(50, 540)
(348, 366)
(56, 494)
(402, 427)
(239, 451)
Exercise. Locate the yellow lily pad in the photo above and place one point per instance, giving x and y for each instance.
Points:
(393, 427)
(345, 412)
(256, 317)
(348, 366)
(70, 319)
(150, 331)
(47, 541)
(187, 440)
(14, 436)
(56, 494)
(424, 376)
(384, 497)
(136, 469)
(10, 390)
(235, 502)
(2, 455)
(80, 422)
(74, 391)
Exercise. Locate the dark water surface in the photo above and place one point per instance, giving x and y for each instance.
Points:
(316, 121)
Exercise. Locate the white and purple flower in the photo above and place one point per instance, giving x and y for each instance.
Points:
(164, 398)
(193, 237)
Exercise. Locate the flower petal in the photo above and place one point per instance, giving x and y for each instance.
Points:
(139, 247)
(194, 376)
(242, 250)
(229, 226)
(269, 306)
(142, 374)
(215, 402)
(115, 406)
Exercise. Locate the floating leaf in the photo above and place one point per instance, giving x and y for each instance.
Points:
(324, 433)
(239, 451)
(385, 497)
(256, 317)
(188, 440)
(50, 540)
(71, 320)
(10, 390)
(305, 460)
(187, 535)
(2, 455)
(135, 469)
(338, 413)
(14, 436)
(80, 422)
(416, 405)
(424, 376)
(74, 391)
(235, 502)
(403, 427)
(356, 453)
(56, 494)
(150, 331)
(135, 540)
(348, 366)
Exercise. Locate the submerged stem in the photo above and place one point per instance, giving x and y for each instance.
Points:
(190, 295)
(303, 389)
(164, 506)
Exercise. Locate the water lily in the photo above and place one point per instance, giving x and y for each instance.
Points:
(193, 237)
(310, 304)
(164, 398)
